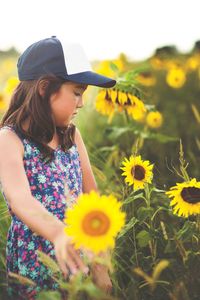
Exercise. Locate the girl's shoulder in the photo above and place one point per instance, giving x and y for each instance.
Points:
(9, 139)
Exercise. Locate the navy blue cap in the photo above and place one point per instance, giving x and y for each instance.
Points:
(68, 61)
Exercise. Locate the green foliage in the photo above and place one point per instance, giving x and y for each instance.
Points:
(4, 224)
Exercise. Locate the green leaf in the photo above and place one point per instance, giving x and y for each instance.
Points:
(143, 213)
(128, 226)
(108, 148)
(143, 238)
(158, 190)
(117, 132)
(114, 67)
(133, 73)
(161, 137)
(132, 198)
(187, 231)
(91, 289)
(170, 247)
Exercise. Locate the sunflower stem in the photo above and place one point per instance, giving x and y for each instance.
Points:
(126, 123)
(183, 164)
(135, 249)
(147, 195)
(181, 248)
(198, 225)
(152, 245)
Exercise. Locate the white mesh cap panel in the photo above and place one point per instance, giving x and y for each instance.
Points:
(76, 60)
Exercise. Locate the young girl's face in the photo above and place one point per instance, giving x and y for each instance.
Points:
(66, 102)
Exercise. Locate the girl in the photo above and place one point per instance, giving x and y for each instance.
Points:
(43, 162)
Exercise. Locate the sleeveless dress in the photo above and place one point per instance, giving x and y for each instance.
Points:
(56, 185)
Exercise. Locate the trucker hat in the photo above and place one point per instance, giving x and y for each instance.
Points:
(65, 60)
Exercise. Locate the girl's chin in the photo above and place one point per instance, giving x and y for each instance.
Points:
(64, 123)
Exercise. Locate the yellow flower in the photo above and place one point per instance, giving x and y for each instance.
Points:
(113, 95)
(94, 221)
(176, 77)
(11, 84)
(105, 69)
(192, 63)
(137, 172)
(186, 198)
(172, 64)
(135, 107)
(146, 79)
(122, 97)
(154, 119)
(104, 103)
(3, 103)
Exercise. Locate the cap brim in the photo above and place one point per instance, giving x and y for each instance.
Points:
(91, 78)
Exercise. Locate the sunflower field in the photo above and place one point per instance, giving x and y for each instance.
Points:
(143, 140)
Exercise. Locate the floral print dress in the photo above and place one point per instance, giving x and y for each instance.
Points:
(56, 185)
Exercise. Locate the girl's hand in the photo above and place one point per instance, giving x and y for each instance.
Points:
(101, 278)
(67, 256)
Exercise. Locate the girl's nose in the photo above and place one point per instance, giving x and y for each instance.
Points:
(80, 102)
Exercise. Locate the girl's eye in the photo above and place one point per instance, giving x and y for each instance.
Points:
(77, 94)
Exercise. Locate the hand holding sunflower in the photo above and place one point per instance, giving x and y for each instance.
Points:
(101, 277)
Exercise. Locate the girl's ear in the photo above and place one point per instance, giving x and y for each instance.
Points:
(43, 84)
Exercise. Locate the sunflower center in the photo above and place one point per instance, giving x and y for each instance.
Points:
(146, 74)
(138, 172)
(96, 223)
(191, 195)
(176, 79)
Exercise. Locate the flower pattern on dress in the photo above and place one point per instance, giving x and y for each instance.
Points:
(56, 185)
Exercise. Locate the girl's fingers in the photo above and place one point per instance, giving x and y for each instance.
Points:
(68, 259)
(72, 266)
(80, 264)
(62, 265)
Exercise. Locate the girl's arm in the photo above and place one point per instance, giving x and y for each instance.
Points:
(89, 182)
(28, 209)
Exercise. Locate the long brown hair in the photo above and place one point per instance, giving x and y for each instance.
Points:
(27, 102)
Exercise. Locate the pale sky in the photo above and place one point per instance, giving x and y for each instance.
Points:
(105, 27)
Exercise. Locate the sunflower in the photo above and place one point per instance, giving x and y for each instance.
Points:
(122, 97)
(176, 77)
(154, 119)
(104, 67)
(113, 95)
(186, 198)
(135, 107)
(192, 63)
(2, 102)
(104, 103)
(94, 221)
(137, 171)
(11, 84)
